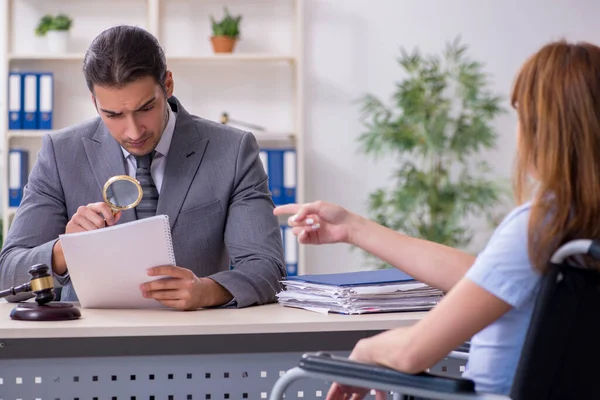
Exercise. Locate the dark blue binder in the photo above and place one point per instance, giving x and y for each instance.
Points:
(276, 175)
(375, 277)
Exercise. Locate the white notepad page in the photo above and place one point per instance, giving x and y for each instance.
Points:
(108, 265)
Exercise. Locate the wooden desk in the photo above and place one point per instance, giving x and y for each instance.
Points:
(207, 354)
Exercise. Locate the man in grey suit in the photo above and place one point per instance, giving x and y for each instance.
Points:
(207, 177)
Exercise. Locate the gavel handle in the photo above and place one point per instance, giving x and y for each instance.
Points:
(26, 287)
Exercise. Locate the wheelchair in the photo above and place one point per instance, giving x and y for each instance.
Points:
(560, 357)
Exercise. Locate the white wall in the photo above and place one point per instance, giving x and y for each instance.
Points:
(351, 48)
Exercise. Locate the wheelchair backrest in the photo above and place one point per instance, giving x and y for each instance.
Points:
(561, 354)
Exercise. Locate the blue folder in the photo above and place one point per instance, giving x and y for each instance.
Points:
(375, 277)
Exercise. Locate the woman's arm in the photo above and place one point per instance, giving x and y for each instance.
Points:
(466, 310)
(501, 278)
(437, 265)
(321, 222)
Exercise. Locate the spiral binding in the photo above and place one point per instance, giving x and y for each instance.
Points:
(169, 239)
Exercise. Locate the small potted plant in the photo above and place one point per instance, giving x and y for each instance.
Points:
(225, 32)
(56, 29)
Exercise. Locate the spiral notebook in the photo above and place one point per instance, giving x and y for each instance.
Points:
(108, 265)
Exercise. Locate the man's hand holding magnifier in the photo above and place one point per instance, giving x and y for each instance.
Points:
(87, 218)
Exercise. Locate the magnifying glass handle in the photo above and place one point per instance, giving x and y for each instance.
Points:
(114, 213)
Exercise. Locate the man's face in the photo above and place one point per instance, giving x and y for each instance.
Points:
(136, 113)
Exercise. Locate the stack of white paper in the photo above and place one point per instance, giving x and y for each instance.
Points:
(359, 292)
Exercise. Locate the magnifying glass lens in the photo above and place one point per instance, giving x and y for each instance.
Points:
(122, 192)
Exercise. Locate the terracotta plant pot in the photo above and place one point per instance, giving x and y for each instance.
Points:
(223, 44)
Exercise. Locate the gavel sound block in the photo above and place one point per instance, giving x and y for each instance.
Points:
(44, 309)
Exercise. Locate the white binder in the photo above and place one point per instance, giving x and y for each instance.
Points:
(15, 117)
(265, 160)
(291, 252)
(46, 103)
(289, 176)
(30, 101)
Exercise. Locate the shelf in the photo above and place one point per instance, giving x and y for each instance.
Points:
(46, 57)
(269, 135)
(260, 136)
(235, 57)
(248, 57)
(26, 133)
(275, 139)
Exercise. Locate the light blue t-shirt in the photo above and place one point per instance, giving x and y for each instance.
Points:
(503, 269)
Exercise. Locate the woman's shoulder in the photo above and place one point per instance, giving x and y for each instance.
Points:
(512, 232)
(517, 217)
(503, 267)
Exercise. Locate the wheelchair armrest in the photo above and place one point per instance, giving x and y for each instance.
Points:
(464, 348)
(340, 366)
(461, 352)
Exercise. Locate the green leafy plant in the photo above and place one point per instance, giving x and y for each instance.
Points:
(229, 26)
(60, 22)
(440, 123)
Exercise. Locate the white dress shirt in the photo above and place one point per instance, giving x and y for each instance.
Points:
(159, 161)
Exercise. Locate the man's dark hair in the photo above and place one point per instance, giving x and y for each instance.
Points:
(121, 55)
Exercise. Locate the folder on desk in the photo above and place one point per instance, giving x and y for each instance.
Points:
(359, 278)
(386, 290)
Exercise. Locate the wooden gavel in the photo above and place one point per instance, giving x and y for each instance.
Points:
(40, 283)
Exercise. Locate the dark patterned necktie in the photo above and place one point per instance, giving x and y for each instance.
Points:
(147, 207)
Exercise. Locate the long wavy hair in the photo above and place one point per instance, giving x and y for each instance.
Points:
(557, 99)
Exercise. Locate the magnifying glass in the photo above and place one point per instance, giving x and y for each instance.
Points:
(122, 192)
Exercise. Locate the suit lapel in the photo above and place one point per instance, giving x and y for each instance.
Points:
(184, 157)
(106, 159)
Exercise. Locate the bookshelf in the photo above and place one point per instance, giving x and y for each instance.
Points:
(78, 57)
(261, 82)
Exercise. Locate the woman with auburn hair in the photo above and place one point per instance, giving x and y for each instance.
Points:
(490, 297)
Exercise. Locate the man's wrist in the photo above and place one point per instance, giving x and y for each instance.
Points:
(216, 294)
(59, 265)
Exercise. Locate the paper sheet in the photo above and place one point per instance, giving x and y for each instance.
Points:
(108, 265)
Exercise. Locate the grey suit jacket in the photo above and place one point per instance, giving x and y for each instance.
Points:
(214, 191)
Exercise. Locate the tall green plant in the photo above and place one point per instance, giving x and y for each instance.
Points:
(440, 122)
